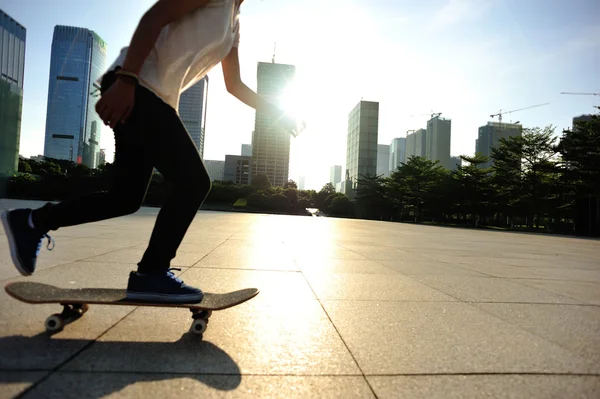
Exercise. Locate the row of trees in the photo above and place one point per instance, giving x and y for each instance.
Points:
(53, 179)
(535, 181)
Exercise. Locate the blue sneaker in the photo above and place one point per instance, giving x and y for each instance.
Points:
(161, 287)
(24, 242)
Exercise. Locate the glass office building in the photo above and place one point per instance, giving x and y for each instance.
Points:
(192, 111)
(271, 144)
(12, 70)
(361, 150)
(73, 128)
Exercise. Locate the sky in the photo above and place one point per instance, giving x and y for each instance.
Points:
(464, 58)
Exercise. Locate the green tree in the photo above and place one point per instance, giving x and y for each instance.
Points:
(580, 172)
(371, 197)
(473, 186)
(526, 170)
(261, 181)
(416, 180)
(290, 184)
(24, 166)
(340, 206)
(292, 195)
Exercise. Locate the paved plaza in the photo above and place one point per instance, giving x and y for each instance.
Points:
(347, 308)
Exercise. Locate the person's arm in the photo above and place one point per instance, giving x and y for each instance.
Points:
(237, 88)
(117, 102)
(162, 13)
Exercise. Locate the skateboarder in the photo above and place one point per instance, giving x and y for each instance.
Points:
(175, 44)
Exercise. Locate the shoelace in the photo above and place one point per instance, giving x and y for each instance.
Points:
(173, 276)
(49, 245)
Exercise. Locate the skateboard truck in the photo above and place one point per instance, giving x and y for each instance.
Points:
(70, 313)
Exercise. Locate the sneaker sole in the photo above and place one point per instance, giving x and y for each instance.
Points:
(13, 245)
(164, 298)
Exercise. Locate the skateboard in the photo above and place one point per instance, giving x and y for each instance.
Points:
(76, 302)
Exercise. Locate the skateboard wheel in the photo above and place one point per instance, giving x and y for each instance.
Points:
(54, 323)
(198, 326)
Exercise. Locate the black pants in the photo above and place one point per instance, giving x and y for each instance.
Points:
(153, 136)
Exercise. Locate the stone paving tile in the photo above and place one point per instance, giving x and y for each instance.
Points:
(487, 386)
(574, 274)
(243, 256)
(434, 337)
(576, 328)
(275, 286)
(581, 292)
(372, 287)
(13, 383)
(431, 268)
(127, 385)
(24, 344)
(256, 337)
(503, 270)
(133, 256)
(476, 289)
(352, 266)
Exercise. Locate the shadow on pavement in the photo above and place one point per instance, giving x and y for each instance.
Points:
(106, 367)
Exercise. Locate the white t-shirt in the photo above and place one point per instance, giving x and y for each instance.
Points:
(187, 49)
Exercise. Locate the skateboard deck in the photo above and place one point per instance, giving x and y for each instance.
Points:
(76, 302)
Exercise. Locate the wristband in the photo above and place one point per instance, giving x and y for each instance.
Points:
(129, 74)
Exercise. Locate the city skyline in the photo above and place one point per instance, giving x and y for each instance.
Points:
(504, 56)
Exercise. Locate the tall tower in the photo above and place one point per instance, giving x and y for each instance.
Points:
(72, 125)
(192, 110)
(361, 146)
(335, 174)
(489, 137)
(12, 70)
(397, 153)
(438, 141)
(383, 160)
(271, 144)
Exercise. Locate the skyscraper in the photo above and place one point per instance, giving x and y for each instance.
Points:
(237, 169)
(361, 146)
(246, 150)
(72, 124)
(489, 137)
(383, 160)
(416, 144)
(192, 111)
(455, 163)
(215, 169)
(335, 174)
(12, 70)
(397, 153)
(438, 141)
(579, 119)
(271, 144)
(102, 157)
(301, 182)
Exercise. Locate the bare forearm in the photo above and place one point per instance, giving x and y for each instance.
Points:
(253, 100)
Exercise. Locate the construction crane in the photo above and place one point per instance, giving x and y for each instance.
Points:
(581, 94)
(499, 114)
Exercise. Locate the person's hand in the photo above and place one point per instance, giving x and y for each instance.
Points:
(292, 125)
(116, 103)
